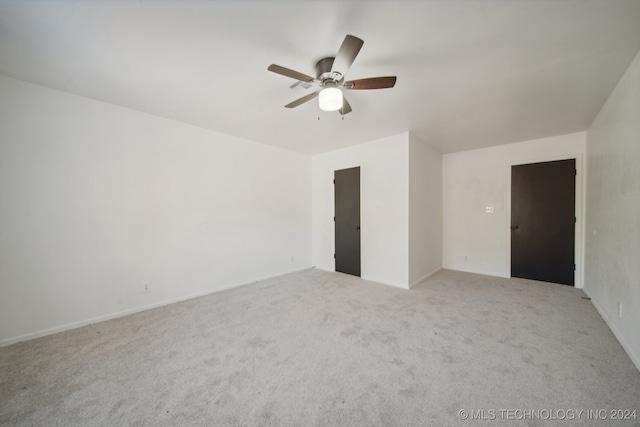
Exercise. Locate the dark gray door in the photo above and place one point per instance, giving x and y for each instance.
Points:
(543, 221)
(347, 220)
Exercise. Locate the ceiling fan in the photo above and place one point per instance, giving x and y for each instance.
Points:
(329, 78)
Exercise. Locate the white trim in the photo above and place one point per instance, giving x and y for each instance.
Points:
(81, 323)
(619, 336)
(383, 282)
(425, 277)
(579, 210)
(368, 279)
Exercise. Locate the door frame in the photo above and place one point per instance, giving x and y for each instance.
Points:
(579, 210)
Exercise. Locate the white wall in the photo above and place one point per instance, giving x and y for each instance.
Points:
(425, 210)
(612, 273)
(96, 199)
(384, 216)
(478, 242)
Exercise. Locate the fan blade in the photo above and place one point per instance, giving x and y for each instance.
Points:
(302, 100)
(289, 73)
(371, 83)
(346, 107)
(346, 54)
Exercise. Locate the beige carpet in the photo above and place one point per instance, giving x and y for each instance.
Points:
(319, 348)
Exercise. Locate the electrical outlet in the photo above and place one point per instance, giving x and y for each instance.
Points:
(619, 309)
(145, 287)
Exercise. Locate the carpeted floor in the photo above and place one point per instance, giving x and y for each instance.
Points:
(319, 348)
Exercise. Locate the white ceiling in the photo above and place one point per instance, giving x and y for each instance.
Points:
(471, 74)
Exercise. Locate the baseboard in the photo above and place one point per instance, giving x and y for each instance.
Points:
(384, 282)
(74, 325)
(395, 285)
(425, 277)
(616, 332)
(368, 278)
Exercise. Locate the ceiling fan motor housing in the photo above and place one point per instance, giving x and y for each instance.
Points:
(324, 74)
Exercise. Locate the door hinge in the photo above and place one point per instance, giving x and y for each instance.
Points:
(334, 219)
(334, 181)
(575, 172)
(334, 256)
(575, 220)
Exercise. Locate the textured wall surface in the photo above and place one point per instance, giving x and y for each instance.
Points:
(480, 242)
(425, 210)
(97, 200)
(384, 207)
(612, 273)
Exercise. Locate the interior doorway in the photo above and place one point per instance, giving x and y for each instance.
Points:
(347, 220)
(543, 221)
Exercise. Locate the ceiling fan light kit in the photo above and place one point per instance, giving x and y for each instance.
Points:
(330, 99)
(329, 78)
